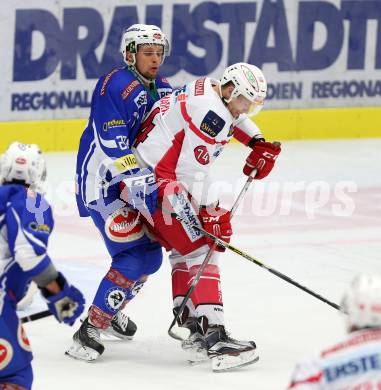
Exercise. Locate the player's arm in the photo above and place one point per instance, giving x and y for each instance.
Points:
(263, 154)
(30, 227)
(115, 119)
(246, 131)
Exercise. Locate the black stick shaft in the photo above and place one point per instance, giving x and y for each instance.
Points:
(207, 258)
(259, 263)
(36, 316)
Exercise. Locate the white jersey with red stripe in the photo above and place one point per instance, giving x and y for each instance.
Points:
(353, 364)
(185, 132)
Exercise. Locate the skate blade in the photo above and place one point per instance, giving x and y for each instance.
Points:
(80, 352)
(227, 362)
(196, 356)
(112, 335)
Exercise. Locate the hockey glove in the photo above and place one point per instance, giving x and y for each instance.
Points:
(68, 304)
(139, 190)
(262, 158)
(217, 222)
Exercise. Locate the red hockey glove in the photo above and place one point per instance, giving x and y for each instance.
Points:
(262, 158)
(217, 222)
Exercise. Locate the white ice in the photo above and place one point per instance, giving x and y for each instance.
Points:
(317, 219)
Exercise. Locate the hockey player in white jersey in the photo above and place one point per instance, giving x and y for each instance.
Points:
(180, 139)
(355, 362)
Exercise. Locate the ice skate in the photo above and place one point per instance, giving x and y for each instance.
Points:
(86, 345)
(122, 327)
(225, 352)
(194, 346)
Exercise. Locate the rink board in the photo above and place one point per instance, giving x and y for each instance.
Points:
(63, 135)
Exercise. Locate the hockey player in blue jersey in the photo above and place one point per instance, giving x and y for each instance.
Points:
(26, 223)
(120, 101)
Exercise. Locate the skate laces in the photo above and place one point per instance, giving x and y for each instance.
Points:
(122, 320)
(93, 332)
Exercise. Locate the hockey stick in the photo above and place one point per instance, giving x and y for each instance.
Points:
(280, 275)
(36, 316)
(200, 271)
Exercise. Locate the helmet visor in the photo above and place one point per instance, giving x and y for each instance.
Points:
(153, 50)
(248, 107)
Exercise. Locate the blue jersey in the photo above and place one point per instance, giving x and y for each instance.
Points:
(26, 222)
(119, 103)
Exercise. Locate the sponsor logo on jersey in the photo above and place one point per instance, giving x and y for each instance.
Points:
(212, 124)
(352, 367)
(124, 225)
(130, 87)
(165, 103)
(231, 131)
(125, 163)
(41, 228)
(106, 80)
(23, 339)
(182, 97)
(164, 92)
(113, 123)
(115, 297)
(180, 94)
(6, 353)
(218, 151)
(202, 155)
(141, 99)
(199, 87)
(184, 209)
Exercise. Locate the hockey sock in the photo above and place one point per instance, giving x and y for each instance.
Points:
(113, 291)
(180, 286)
(207, 295)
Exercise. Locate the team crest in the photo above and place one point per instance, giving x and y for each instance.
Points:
(23, 339)
(6, 353)
(115, 297)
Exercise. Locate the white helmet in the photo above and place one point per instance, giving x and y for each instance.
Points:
(248, 81)
(142, 34)
(362, 302)
(23, 163)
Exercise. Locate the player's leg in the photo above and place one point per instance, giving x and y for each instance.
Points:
(122, 282)
(15, 363)
(127, 244)
(149, 258)
(204, 314)
(19, 380)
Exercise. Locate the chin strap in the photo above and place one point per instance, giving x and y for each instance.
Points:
(139, 76)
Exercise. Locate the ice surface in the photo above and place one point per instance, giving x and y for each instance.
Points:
(290, 221)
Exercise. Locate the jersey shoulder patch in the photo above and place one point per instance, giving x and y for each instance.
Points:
(212, 124)
(199, 86)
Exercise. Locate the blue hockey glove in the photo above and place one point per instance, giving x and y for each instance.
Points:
(68, 304)
(139, 190)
